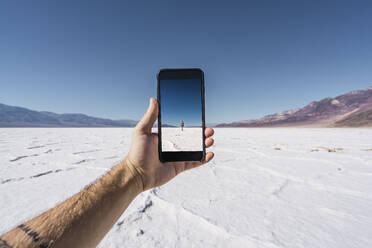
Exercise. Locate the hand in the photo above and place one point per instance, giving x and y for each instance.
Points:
(143, 155)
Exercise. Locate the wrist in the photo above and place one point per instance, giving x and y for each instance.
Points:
(135, 173)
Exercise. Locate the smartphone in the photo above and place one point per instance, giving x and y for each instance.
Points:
(181, 120)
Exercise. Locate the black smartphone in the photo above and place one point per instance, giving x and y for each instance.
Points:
(181, 120)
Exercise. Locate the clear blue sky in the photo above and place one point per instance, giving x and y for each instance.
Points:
(181, 100)
(101, 57)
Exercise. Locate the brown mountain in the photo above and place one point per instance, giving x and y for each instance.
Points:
(353, 109)
(361, 119)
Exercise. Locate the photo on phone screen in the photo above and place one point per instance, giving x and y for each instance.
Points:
(181, 111)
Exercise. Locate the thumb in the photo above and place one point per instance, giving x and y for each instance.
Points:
(148, 119)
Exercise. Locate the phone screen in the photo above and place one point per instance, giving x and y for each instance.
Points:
(181, 115)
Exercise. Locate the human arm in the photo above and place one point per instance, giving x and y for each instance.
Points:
(85, 218)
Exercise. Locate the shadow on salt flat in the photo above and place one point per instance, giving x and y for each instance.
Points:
(34, 147)
(84, 161)
(21, 157)
(88, 151)
(35, 176)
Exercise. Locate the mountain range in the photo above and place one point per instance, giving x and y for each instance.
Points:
(11, 116)
(353, 109)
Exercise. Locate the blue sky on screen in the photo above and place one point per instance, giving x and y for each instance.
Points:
(181, 100)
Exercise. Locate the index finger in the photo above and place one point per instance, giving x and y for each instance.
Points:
(209, 132)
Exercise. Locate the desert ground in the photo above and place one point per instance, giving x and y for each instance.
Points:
(190, 139)
(265, 187)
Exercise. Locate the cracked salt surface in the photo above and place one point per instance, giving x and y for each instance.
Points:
(265, 187)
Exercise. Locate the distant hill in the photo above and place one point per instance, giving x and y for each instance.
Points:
(165, 125)
(353, 109)
(349, 110)
(361, 119)
(11, 116)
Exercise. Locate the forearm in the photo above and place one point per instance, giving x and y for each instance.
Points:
(83, 219)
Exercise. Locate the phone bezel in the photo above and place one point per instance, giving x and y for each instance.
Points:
(165, 74)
